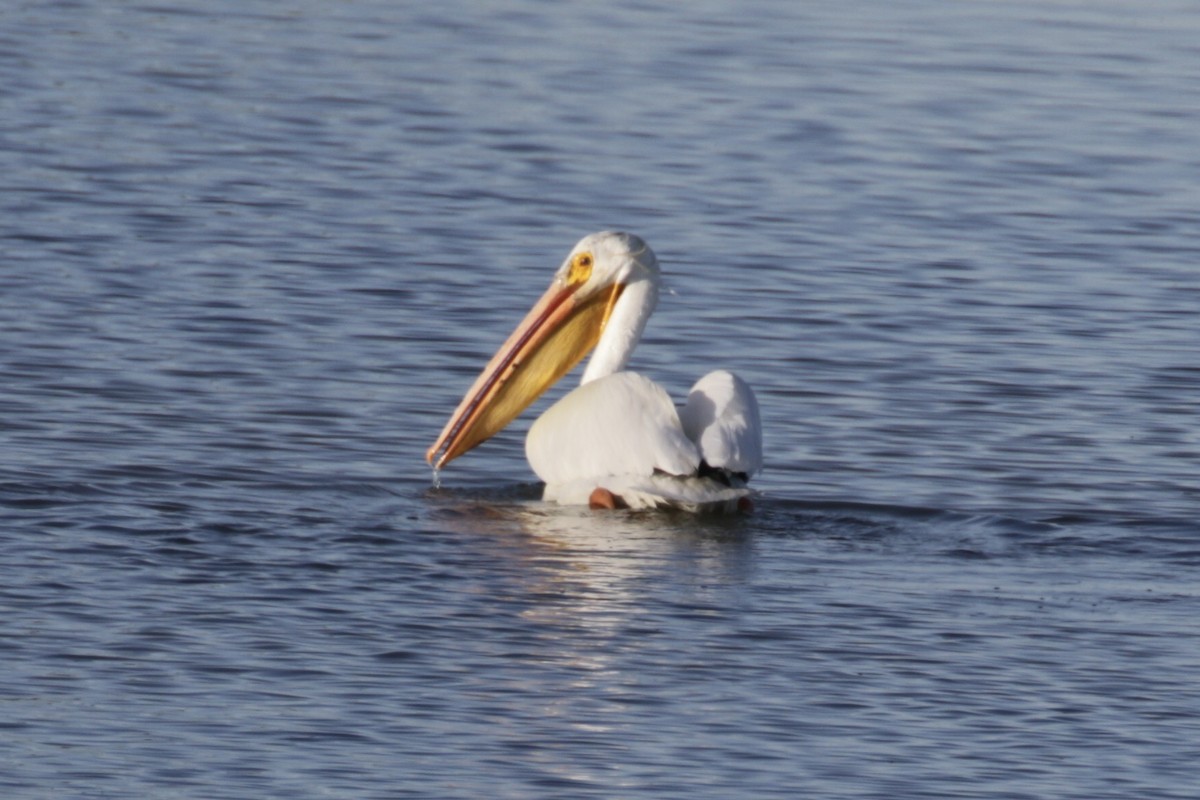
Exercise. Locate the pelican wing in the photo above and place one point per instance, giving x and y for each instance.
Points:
(721, 417)
(621, 424)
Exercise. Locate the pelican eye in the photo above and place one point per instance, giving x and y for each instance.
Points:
(581, 269)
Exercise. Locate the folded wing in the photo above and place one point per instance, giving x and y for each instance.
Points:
(621, 424)
(721, 417)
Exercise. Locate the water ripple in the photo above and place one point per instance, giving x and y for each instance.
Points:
(253, 256)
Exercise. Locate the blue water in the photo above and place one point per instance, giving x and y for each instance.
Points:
(254, 252)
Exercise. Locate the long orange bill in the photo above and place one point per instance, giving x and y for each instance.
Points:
(555, 335)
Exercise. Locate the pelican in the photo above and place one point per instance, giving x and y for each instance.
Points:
(617, 440)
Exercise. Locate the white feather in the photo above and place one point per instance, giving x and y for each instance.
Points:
(622, 424)
(721, 417)
(640, 492)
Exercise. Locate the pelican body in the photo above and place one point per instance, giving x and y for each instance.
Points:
(617, 440)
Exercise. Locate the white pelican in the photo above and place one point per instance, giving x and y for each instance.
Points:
(616, 440)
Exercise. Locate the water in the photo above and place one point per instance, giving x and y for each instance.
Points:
(254, 252)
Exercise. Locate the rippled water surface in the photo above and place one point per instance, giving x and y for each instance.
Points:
(254, 252)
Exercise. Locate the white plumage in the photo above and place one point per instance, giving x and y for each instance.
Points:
(621, 424)
(721, 417)
(618, 432)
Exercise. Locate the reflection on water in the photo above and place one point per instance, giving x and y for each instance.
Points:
(593, 564)
(591, 599)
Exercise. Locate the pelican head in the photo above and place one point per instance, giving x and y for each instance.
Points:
(615, 257)
(606, 287)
